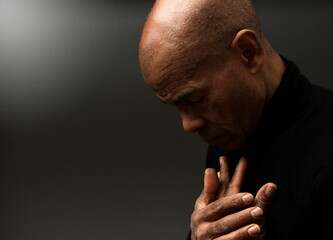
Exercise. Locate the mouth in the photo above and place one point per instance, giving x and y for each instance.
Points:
(211, 140)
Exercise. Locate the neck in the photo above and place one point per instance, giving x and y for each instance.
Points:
(273, 72)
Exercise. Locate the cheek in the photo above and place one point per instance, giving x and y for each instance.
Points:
(237, 112)
(221, 108)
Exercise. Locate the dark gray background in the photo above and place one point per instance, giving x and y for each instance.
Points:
(87, 152)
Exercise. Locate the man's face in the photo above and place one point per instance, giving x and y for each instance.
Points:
(222, 102)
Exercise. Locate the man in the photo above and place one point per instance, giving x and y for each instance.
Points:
(210, 59)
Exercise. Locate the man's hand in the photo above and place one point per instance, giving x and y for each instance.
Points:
(223, 213)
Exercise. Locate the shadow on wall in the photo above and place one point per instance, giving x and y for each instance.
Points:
(87, 151)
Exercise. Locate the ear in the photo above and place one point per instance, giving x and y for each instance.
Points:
(249, 48)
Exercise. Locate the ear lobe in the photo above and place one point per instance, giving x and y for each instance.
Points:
(248, 46)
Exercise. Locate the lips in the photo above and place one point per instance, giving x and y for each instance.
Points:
(210, 140)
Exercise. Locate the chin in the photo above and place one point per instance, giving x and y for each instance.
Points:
(228, 148)
(231, 145)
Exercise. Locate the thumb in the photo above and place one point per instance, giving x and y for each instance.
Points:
(265, 196)
(210, 190)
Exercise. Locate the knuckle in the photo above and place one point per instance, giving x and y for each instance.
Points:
(195, 218)
(216, 205)
(200, 235)
(230, 201)
(263, 199)
(214, 210)
(242, 218)
(246, 217)
(241, 235)
(220, 227)
(235, 202)
(262, 203)
(201, 232)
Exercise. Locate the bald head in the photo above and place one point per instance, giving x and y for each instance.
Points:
(210, 60)
(183, 32)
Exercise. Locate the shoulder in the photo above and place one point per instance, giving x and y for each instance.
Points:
(325, 97)
(317, 127)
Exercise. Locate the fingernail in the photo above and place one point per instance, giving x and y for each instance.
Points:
(254, 231)
(257, 213)
(247, 199)
(270, 191)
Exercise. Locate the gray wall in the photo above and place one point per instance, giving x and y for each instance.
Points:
(86, 151)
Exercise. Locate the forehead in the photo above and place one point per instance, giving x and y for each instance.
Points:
(165, 82)
(174, 76)
(175, 94)
(178, 81)
(170, 70)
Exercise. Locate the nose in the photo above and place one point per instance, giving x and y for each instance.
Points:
(191, 122)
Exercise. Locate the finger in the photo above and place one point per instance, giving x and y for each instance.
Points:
(224, 169)
(225, 206)
(235, 221)
(238, 177)
(244, 233)
(224, 176)
(210, 190)
(265, 196)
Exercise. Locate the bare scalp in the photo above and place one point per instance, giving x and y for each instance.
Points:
(183, 33)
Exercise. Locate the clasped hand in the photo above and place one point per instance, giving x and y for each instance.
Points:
(222, 212)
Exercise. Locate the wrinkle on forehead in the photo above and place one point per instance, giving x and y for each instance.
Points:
(177, 96)
(172, 72)
(168, 52)
(169, 86)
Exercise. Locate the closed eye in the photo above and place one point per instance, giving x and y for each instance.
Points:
(195, 101)
(195, 98)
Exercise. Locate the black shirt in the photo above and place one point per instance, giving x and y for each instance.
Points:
(293, 148)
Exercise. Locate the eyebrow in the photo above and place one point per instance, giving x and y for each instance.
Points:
(178, 98)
